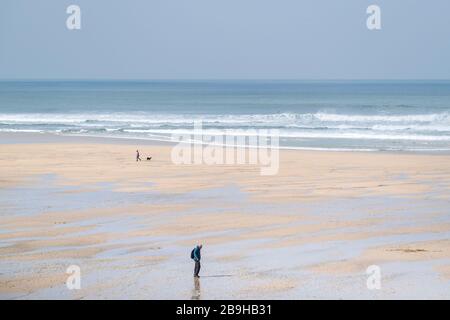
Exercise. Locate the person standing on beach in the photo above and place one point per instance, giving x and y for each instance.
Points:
(138, 157)
(195, 254)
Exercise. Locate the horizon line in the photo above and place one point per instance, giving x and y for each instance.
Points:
(219, 79)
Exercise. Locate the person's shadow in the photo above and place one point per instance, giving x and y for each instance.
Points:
(196, 290)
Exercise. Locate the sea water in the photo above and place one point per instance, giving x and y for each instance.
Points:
(335, 115)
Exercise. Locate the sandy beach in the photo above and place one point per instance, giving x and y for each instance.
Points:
(310, 231)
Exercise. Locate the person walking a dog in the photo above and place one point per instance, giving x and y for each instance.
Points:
(138, 157)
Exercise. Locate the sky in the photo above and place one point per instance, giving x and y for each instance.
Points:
(225, 39)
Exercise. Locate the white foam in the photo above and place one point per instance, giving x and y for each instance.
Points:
(321, 125)
(248, 119)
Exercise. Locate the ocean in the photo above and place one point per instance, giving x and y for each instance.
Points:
(324, 115)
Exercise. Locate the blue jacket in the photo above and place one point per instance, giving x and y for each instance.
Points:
(197, 255)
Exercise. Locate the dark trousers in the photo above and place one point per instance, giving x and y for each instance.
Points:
(197, 268)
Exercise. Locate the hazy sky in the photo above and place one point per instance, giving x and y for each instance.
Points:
(214, 39)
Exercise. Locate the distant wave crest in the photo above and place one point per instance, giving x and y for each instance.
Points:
(287, 118)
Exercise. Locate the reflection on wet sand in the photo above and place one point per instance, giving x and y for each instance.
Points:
(196, 290)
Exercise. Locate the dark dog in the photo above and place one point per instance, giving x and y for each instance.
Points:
(149, 158)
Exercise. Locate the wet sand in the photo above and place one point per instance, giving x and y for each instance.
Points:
(308, 232)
